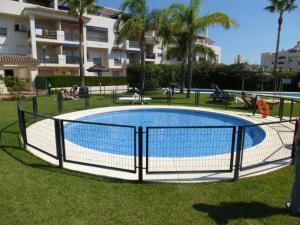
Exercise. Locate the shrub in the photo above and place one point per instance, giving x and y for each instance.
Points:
(15, 86)
(58, 81)
(204, 74)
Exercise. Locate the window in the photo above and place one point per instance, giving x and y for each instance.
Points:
(3, 31)
(117, 62)
(97, 61)
(115, 73)
(21, 50)
(159, 54)
(8, 73)
(281, 57)
(3, 49)
(280, 63)
(20, 26)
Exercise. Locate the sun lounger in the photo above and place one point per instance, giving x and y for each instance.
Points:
(135, 98)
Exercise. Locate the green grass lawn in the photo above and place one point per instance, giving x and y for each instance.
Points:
(34, 192)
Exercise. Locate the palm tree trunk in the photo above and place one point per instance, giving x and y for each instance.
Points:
(81, 52)
(142, 71)
(182, 72)
(280, 20)
(190, 74)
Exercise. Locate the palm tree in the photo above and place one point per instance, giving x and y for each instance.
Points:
(134, 21)
(78, 8)
(279, 6)
(192, 23)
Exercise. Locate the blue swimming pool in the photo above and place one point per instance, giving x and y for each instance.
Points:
(186, 140)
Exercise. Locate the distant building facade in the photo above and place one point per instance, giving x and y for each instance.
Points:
(288, 59)
(40, 37)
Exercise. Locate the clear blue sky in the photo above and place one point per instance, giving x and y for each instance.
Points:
(257, 32)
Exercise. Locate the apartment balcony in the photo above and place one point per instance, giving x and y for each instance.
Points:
(70, 59)
(150, 37)
(133, 44)
(48, 59)
(71, 36)
(45, 33)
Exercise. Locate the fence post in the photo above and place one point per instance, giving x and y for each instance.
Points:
(239, 149)
(34, 107)
(23, 127)
(169, 97)
(294, 146)
(225, 100)
(197, 98)
(113, 97)
(140, 141)
(86, 99)
(58, 139)
(281, 106)
(291, 109)
(59, 102)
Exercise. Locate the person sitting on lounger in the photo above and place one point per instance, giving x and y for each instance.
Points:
(248, 102)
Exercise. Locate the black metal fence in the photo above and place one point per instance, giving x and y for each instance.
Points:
(155, 150)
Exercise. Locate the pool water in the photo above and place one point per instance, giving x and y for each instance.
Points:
(164, 140)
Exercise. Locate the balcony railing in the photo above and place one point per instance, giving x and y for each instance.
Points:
(48, 59)
(70, 59)
(134, 61)
(71, 37)
(45, 33)
(98, 39)
(150, 56)
(134, 44)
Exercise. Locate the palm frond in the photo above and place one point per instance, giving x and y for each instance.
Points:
(218, 18)
(205, 50)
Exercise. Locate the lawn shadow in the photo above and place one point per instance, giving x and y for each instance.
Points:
(37, 163)
(226, 211)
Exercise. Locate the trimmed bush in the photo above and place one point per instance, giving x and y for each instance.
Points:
(204, 74)
(58, 81)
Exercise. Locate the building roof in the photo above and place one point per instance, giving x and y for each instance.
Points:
(45, 11)
(18, 60)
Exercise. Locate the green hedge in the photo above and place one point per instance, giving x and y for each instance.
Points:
(58, 81)
(204, 74)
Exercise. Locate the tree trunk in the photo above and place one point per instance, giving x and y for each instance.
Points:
(190, 72)
(142, 71)
(280, 20)
(81, 52)
(182, 75)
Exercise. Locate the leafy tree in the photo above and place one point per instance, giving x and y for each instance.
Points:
(78, 8)
(134, 21)
(15, 85)
(280, 7)
(191, 24)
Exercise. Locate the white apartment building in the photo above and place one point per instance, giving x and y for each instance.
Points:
(43, 39)
(288, 59)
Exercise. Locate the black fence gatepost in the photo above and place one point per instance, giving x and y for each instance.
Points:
(294, 146)
(59, 103)
(140, 145)
(291, 109)
(86, 99)
(239, 149)
(58, 139)
(34, 107)
(197, 98)
(225, 100)
(23, 127)
(169, 97)
(281, 107)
